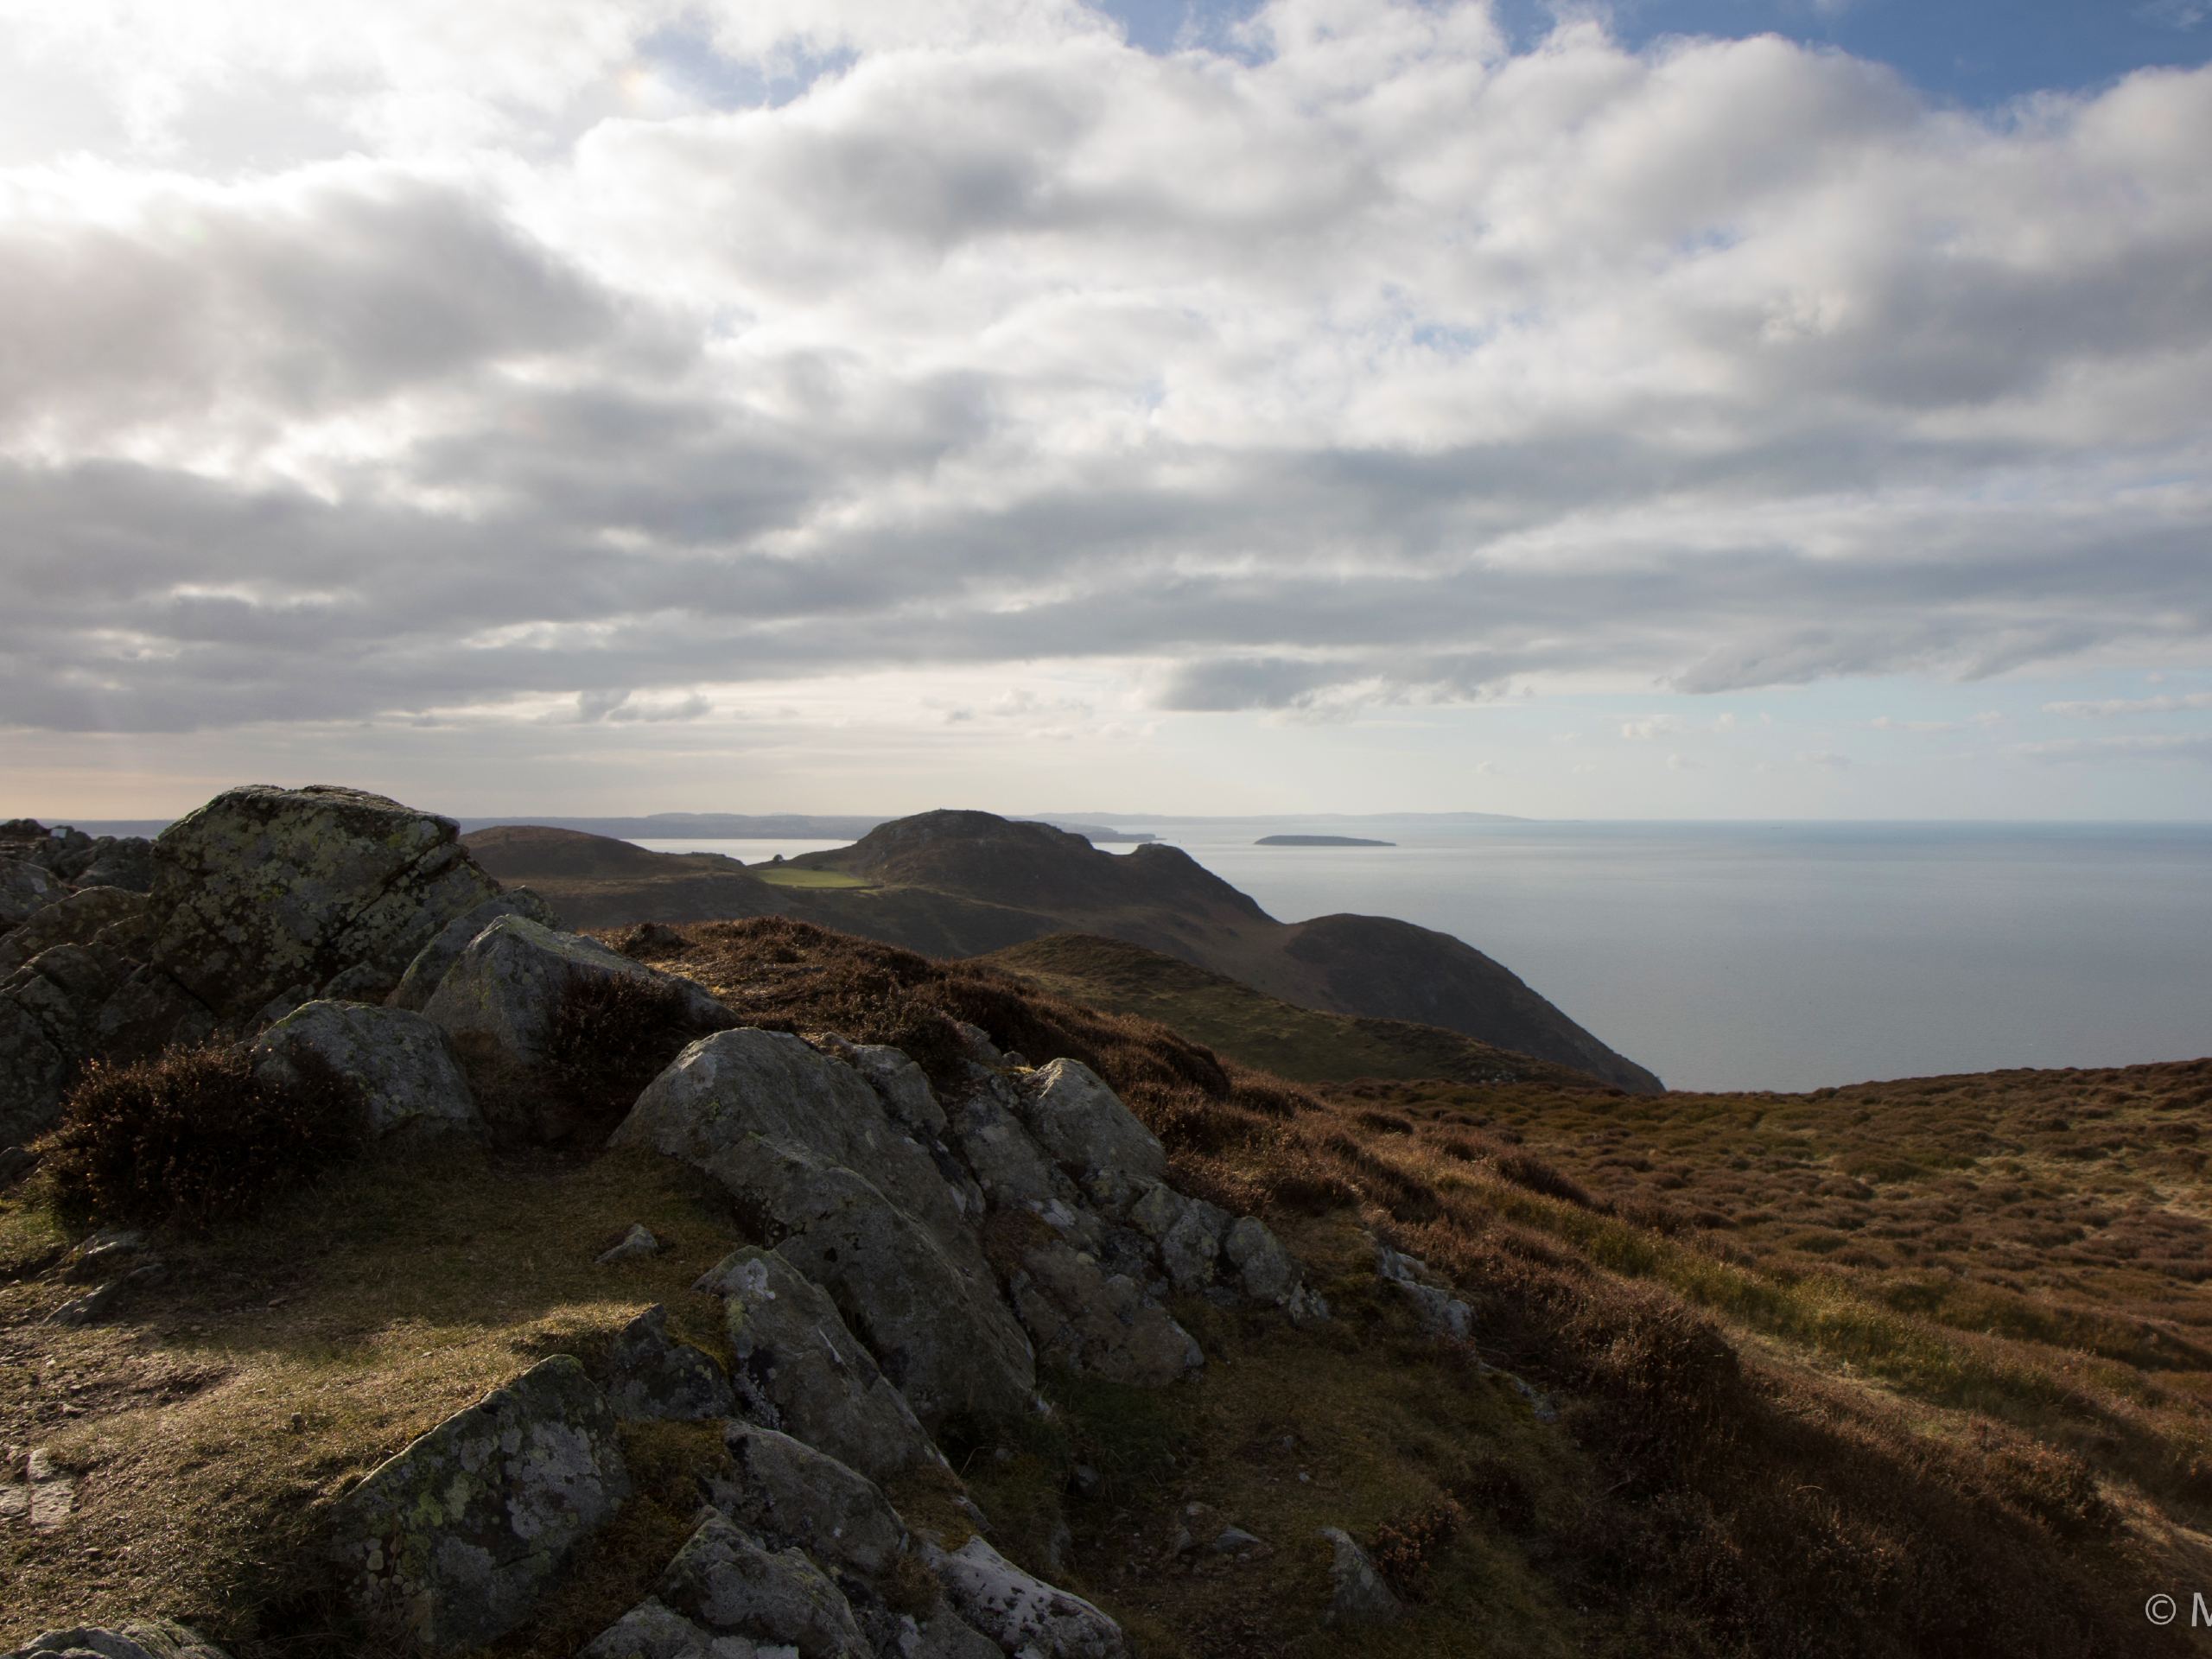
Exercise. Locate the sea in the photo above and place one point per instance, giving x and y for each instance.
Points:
(1785, 956)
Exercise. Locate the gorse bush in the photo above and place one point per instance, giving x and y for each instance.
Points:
(195, 1136)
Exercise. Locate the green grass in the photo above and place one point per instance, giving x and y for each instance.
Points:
(793, 875)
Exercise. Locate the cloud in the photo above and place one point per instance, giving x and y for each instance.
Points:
(2104, 709)
(1363, 362)
(1981, 721)
(2165, 745)
(1827, 759)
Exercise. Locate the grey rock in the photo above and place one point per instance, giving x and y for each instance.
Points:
(898, 1082)
(406, 1077)
(1085, 1320)
(150, 1011)
(787, 1492)
(35, 1071)
(1010, 1167)
(15, 1162)
(652, 1375)
(125, 862)
(1357, 1595)
(1156, 1210)
(455, 1539)
(731, 1584)
(1083, 1124)
(431, 962)
(798, 1369)
(1234, 1541)
(636, 1243)
(76, 918)
(1190, 1251)
(944, 1635)
(651, 1629)
(1440, 1312)
(1024, 1615)
(265, 889)
(104, 1251)
(806, 1148)
(138, 1639)
(507, 981)
(26, 888)
(43, 1499)
(96, 1304)
(1268, 1272)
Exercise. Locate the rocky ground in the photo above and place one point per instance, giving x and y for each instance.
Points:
(919, 1254)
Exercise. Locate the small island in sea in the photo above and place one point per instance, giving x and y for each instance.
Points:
(1320, 841)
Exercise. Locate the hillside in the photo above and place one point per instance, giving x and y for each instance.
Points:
(1615, 1409)
(1160, 898)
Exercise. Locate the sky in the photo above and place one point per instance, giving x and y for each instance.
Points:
(1674, 408)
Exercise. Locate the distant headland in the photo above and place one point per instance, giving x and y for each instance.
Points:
(1320, 841)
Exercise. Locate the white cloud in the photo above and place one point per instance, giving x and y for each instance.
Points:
(2173, 702)
(1369, 363)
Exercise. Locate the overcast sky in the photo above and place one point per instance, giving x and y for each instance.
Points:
(581, 405)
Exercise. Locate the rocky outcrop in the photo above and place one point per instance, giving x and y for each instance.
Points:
(150, 1639)
(1022, 1614)
(652, 1375)
(798, 1369)
(1085, 1320)
(396, 1064)
(75, 919)
(724, 1583)
(266, 895)
(788, 1493)
(25, 889)
(428, 971)
(857, 1204)
(451, 1542)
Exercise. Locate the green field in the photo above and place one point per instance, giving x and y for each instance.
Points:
(791, 875)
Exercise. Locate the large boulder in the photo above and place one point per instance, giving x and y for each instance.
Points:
(452, 1542)
(789, 1493)
(398, 1062)
(1024, 1615)
(266, 895)
(138, 1639)
(653, 1376)
(424, 975)
(125, 862)
(857, 1205)
(797, 1368)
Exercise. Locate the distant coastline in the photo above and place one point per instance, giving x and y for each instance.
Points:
(1320, 841)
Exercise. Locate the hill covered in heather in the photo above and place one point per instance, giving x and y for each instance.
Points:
(960, 883)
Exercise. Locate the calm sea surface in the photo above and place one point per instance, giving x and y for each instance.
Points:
(1787, 956)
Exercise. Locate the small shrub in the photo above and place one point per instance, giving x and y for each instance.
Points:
(610, 1038)
(195, 1137)
(1404, 1551)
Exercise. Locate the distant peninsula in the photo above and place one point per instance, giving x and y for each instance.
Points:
(1320, 841)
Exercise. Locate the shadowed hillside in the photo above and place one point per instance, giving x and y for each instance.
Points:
(967, 883)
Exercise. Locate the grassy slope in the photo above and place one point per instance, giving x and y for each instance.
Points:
(1253, 1028)
(1870, 1471)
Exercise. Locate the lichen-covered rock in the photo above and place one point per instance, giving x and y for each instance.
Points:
(634, 1245)
(74, 919)
(267, 892)
(26, 888)
(1357, 1598)
(1085, 1320)
(453, 1540)
(787, 1492)
(1012, 1170)
(650, 1374)
(651, 1629)
(901, 1085)
(137, 1639)
(1440, 1312)
(730, 1583)
(424, 974)
(1084, 1126)
(1024, 1615)
(405, 1077)
(797, 1368)
(859, 1206)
